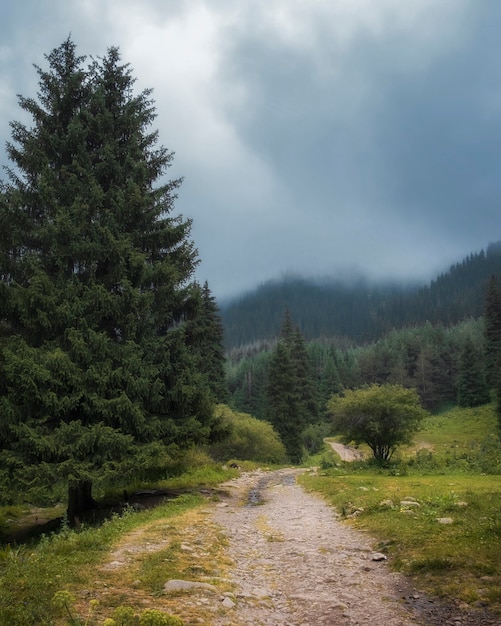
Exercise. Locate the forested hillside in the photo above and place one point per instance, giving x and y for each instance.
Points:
(442, 341)
(361, 311)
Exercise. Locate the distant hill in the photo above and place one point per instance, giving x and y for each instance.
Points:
(360, 311)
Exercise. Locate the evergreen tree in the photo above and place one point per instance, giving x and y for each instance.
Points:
(248, 382)
(291, 394)
(97, 377)
(492, 330)
(207, 338)
(283, 407)
(492, 325)
(349, 370)
(326, 377)
(472, 385)
(305, 388)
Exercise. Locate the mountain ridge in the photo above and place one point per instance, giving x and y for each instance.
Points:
(361, 310)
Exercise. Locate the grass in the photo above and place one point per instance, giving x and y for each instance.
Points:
(69, 562)
(463, 438)
(436, 510)
(185, 546)
(453, 471)
(31, 575)
(461, 559)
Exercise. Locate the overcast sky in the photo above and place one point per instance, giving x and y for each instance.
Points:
(317, 137)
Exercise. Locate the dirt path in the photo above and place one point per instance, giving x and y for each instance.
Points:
(346, 453)
(288, 561)
(296, 564)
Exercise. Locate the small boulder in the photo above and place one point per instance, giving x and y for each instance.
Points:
(171, 586)
(386, 503)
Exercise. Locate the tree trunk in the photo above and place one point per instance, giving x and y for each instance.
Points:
(79, 500)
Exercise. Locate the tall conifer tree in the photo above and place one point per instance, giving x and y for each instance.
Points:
(291, 393)
(492, 325)
(473, 389)
(97, 378)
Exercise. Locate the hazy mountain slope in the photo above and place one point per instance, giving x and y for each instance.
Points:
(360, 311)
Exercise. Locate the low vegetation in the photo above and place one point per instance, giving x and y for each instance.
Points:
(443, 530)
(383, 417)
(435, 510)
(64, 579)
(249, 439)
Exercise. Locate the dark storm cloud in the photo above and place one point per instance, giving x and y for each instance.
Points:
(441, 133)
(313, 137)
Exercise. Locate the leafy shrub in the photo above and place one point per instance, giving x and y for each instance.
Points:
(250, 439)
(313, 437)
(152, 617)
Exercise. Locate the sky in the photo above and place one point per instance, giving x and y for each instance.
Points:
(325, 138)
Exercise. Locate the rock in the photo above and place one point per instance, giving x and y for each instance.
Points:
(409, 503)
(228, 603)
(386, 503)
(378, 556)
(174, 585)
(445, 520)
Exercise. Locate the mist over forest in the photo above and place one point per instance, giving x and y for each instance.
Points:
(355, 309)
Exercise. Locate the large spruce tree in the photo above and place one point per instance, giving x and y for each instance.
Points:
(97, 380)
(291, 394)
(473, 389)
(492, 325)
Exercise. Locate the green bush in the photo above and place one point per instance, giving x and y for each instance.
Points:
(250, 439)
(313, 437)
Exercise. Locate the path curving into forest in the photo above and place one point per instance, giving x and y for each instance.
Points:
(347, 453)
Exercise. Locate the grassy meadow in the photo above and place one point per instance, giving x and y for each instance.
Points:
(436, 510)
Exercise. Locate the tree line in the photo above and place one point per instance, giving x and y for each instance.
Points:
(360, 311)
(293, 382)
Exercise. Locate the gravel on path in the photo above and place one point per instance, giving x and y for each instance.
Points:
(297, 564)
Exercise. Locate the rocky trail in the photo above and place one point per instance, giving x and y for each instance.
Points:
(346, 453)
(297, 564)
(288, 560)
